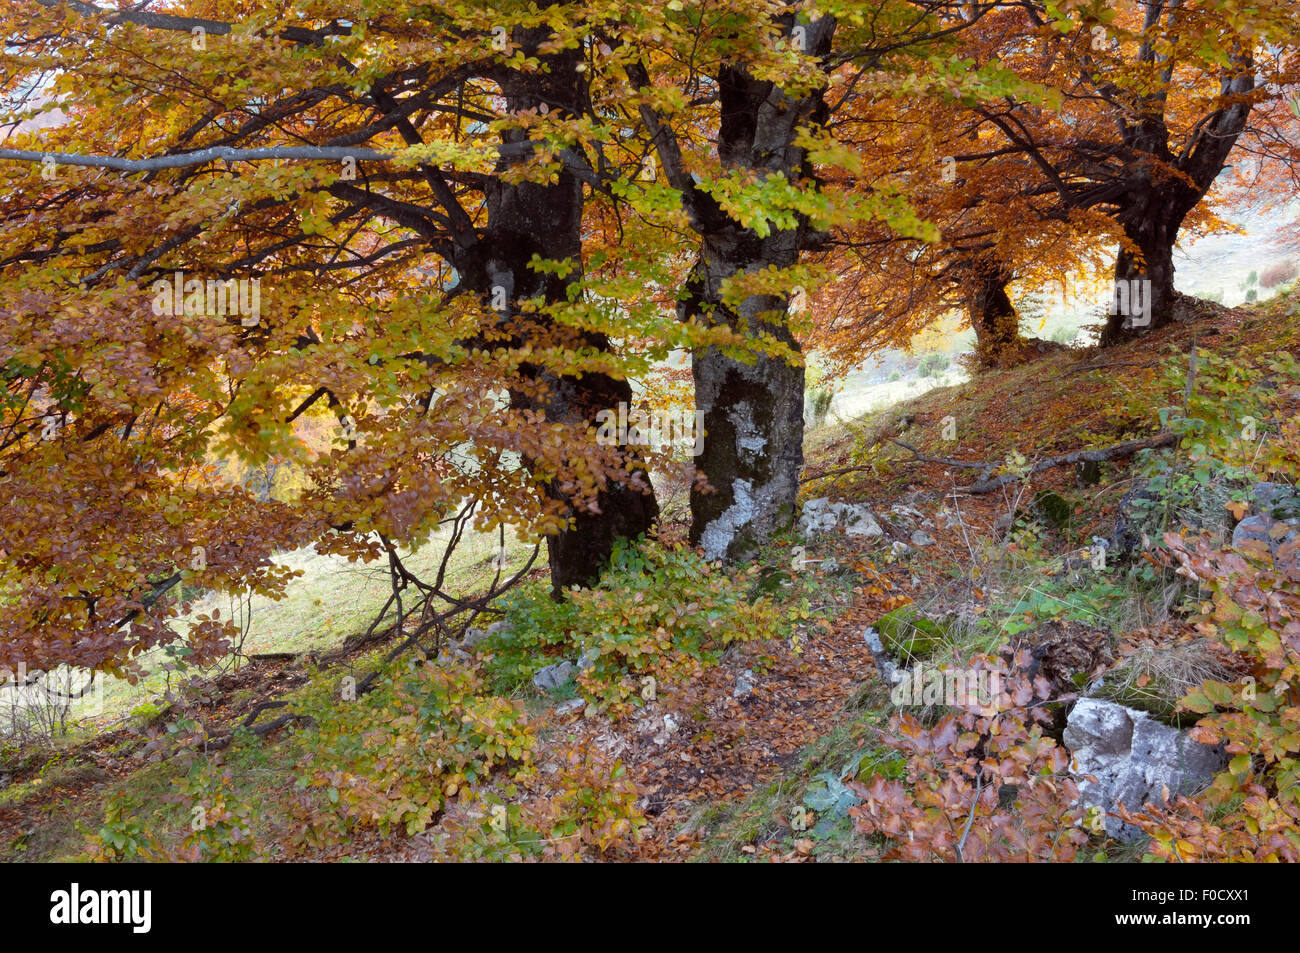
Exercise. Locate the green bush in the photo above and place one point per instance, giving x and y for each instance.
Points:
(398, 754)
(656, 612)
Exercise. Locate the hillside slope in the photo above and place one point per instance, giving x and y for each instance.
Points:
(768, 746)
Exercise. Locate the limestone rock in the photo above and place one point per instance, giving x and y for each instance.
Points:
(1134, 759)
(822, 516)
(553, 677)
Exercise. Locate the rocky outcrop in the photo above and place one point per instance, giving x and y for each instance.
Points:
(1124, 756)
(823, 516)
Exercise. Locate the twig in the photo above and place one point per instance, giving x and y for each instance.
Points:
(966, 464)
(839, 472)
(970, 818)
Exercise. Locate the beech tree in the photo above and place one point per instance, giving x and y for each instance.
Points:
(400, 198)
(753, 175)
(989, 226)
(1030, 186)
(1155, 96)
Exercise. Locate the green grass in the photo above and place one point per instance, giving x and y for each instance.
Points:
(331, 600)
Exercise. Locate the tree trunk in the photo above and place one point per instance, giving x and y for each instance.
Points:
(529, 218)
(993, 318)
(753, 424)
(1155, 202)
(752, 411)
(1143, 295)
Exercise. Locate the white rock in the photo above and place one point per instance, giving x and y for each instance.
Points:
(906, 513)
(818, 516)
(822, 516)
(889, 671)
(573, 704)
(1134, 760)
(554, 676)
(858, 521)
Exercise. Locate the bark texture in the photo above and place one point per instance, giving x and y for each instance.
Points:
(998, 341)
(531, 218)
(752, 410)
(993, 317)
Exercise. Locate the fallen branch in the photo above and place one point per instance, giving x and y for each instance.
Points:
(1125, 449)
(835, 473)
(264, 729)
(259, 708)
(272, 656)
(966, 464)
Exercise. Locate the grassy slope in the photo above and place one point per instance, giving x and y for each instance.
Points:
(1080, 398)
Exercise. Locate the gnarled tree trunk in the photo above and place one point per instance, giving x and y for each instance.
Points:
(1144, 279)
(1161, 188)
(993, 317)
(752, 411)
(753, 417)
(546, 219)
(998, 341)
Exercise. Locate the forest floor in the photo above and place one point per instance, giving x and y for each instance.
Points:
(724, 764)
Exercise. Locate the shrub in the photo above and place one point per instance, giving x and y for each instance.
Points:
(590, 809)
(218, 826)
(122, 835)
(397, 754)
(932, 365)
(980, 785)
(819, 404)
(1278, 273)
(1230, 409)
(1252, 809)
(657, 612)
